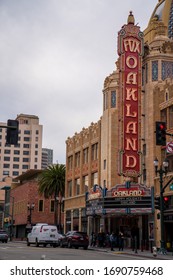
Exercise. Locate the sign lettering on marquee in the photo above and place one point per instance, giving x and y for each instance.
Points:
(130, 42)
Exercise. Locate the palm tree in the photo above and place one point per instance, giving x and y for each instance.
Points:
(52, 183)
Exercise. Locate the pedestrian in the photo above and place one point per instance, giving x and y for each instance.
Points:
(112, 241)
(121, 241)
(93, 239)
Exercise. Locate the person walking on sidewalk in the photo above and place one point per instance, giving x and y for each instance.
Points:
(121, 241)
(112, 241)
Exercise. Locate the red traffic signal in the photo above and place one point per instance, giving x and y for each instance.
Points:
(161, 133)
(166, 202)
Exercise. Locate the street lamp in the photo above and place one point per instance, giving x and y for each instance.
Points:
(60, 202)
(30, 209)
(163, 170)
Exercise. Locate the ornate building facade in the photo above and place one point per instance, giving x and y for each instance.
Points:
(110, 176)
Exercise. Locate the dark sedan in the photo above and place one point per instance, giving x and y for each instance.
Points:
(75, 239)
(3, 236)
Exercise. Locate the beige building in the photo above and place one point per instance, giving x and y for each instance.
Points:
(93, 155)
(17, 159)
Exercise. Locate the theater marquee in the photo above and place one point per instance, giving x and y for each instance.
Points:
(130, 49)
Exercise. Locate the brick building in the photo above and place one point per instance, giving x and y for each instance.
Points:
(26, 192)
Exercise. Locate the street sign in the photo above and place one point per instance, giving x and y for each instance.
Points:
(169, 147)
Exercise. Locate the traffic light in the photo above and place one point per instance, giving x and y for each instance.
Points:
(161, 133)
(12, 132)
(166, 202)
(157, 202)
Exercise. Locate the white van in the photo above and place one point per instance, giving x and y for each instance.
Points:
(43, 234)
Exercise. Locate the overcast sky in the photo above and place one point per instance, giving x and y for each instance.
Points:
(54, 58)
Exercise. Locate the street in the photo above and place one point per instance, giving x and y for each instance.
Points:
(20, 251)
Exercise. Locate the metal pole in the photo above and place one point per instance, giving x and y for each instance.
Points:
(162, 242)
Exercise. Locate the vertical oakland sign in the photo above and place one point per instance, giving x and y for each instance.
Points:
(130, 50)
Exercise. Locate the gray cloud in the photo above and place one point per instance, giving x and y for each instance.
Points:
(55, 56)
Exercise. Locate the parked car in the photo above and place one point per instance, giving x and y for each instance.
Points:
(3, 236)
(43, 234)
(75, 239)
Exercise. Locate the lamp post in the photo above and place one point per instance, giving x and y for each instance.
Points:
(30, 209)
(163, 170)
(60, 200)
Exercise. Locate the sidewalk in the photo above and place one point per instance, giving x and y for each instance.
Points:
(145, 254)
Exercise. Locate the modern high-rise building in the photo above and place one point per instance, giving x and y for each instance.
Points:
(47, 157)
(27, 154)
(110, 174)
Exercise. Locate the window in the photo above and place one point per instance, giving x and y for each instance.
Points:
(85, 155)
(16, 166)
(69, 189)
(94, 178)
(40, 205)
(37, 132)
(25, 166)
(36, 153)
(16, 159)
(7, 151)
(27, 139)
(113, 99)
(77, 186)
(154, 71)
(77, 159)
(36, 146)
(104, 164)
(94, 155)
(16, 152)
(70, 162)
(26, 145)
(85, 183)
(15, 173)
(6, 158)
(6, 165)
(52, 206)
(26, 153)
(27, 132)
(25, 159)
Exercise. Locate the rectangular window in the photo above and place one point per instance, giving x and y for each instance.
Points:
(155, 70)
(40, 205)
(94, 155)
(85, 183)
(15, 173)
(6, 158)
(77, 159)
(85, 155)
(77, 186)
(113, 99)
(25, 159)
(16, 152)
(25, 153)
(27, 132)
(7, 151)
(16, 166)
(104, 164)
(16, 159)
(6, 165)
(69, 189)
(27, 139)
(94, 179)
(25, 166)
(26, 145)
(52, 206)
(70, 162)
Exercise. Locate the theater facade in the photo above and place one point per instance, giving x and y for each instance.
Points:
(110, 177)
